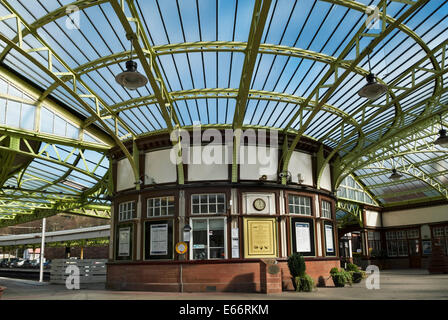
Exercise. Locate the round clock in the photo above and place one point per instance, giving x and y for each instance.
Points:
(259, 204)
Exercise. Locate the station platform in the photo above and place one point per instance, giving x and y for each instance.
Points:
(411, 284)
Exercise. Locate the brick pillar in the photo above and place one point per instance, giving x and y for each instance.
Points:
(270, 276)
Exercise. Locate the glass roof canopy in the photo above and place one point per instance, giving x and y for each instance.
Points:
(291, 65)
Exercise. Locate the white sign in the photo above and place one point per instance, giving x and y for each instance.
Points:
(303, 242)
(329, 238)
(158, 245)
(124, 242)
(235, 243)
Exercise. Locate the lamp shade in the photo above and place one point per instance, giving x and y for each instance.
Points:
(395, 175)
(372, 90)
(442, 140)
(131, 78)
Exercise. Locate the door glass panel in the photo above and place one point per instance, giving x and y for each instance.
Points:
(200, 239)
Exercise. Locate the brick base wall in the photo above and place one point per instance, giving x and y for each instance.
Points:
(319, 270)
(201, 276)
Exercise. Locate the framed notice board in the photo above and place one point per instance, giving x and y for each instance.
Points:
(302, 233)
(260, 238)
(124, 238)
(159, 240)
(330, 249)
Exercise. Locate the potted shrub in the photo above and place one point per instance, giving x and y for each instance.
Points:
(301, 281)
(356, 273)
(340, 277)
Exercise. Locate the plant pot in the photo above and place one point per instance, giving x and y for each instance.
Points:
(1, 291)
(338, 280)
(357, 277)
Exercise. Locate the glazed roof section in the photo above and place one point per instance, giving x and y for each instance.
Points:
(209, 56)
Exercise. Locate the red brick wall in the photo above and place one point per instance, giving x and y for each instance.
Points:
(319, 270)
(241, 276)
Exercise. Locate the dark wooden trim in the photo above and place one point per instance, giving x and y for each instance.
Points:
(415, 206)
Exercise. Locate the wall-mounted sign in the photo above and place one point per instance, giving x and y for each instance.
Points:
(124, 239)
(426, 246)
(329, 238)
(303, 243)
(260, 237)
(159, 240)
(181, 247)
(235, 243)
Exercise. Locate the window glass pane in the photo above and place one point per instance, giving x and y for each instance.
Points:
(13, 113)
(72, 131)
(46, 121)
(59, 126)
(2, 110)
(195, 199)
(27, 120)
(3, 86)
(13, 91)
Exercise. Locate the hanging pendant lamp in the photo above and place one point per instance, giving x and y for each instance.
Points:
(442, 140)
(395, 175)
(131, 79)
(372, 90)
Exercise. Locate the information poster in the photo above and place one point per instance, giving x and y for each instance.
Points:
(260, 238)
(303, 242)
(124, 242)
(329, 238)
(235, 243)
(159, 239)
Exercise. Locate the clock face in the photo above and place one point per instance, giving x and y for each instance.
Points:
(259, 204)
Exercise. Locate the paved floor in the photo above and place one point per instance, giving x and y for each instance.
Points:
(394, 284)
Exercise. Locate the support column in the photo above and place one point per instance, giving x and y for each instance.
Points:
(138, 247)
(42, 249)
(112, 232)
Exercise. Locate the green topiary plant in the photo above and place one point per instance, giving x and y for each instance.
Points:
(297, 268)
(305, 283)
(296, 265)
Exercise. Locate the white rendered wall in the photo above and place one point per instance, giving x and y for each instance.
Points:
(373, 218)
(158, 166)
(257, 161)
(301, 163)
(213, 163)
(325, 181)
(125, 176)
(415, 216)
(249, 198)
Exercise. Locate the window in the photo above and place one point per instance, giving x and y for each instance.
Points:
(160, 207)
(208, 238)
(398, 242)
(299, 205)
(326, 209)
(374, 240)
(126, 211)
(442, 234)
(212, 203)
